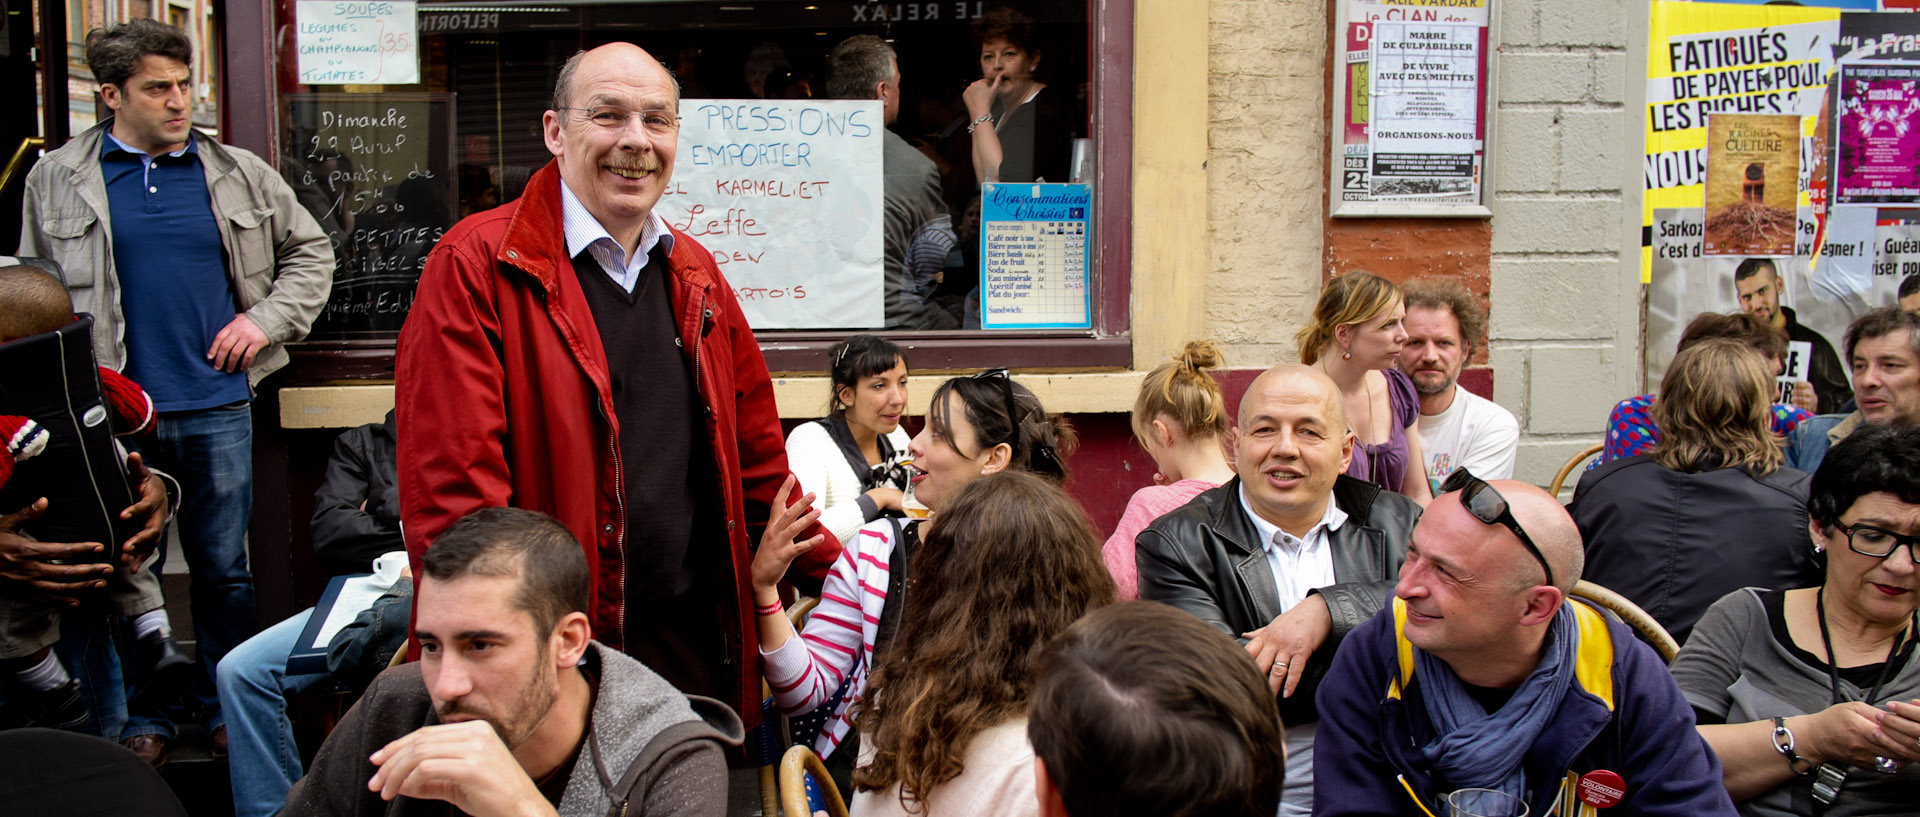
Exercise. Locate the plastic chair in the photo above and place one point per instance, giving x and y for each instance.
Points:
(1631, 613)
(805, 787)
(1560, 478)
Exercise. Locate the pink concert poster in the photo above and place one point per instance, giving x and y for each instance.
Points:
(1876, 134)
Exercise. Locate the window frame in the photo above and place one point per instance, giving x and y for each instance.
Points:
(249, 40)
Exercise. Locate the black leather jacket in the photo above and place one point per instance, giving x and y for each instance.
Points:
(1205, 558)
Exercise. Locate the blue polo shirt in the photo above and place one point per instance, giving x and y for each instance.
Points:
(173, 275)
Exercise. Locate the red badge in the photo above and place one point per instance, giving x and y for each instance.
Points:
(1602, 789)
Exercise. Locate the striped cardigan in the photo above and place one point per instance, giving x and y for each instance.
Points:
(838, 642)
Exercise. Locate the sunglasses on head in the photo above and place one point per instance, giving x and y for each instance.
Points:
(1488, 506)
(1043, 456)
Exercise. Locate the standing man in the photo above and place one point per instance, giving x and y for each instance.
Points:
(513, 708)
(865, 67)
(1482, 674)
(571, 353)
(1290, 555)
(1758, 283)
(1458, 429)
(198, 263)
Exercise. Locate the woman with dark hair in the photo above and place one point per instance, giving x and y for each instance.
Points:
(1018, 131)
(976, 426)
(1658, 526)
(854, 459)
(1358, 327)
(1007, 566)
(1811, 696)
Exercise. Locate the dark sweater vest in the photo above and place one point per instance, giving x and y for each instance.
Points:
(668, 481)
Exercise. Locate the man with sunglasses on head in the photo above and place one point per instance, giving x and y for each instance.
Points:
(1483, 674)
(572, 353)
(1288, 556)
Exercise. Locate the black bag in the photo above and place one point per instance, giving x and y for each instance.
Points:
(54, 379)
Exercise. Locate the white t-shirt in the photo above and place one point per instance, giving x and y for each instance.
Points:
(1474, 432)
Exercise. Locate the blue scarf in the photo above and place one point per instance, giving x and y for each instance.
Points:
(1477, 749)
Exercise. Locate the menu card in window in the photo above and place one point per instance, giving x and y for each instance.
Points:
(1034, 256)
(357, 43)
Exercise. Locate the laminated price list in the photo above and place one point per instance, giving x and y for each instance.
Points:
(1034, 256)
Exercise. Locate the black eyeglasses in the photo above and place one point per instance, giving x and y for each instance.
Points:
(1488, 506)
(1880, 543)
(1042, 457)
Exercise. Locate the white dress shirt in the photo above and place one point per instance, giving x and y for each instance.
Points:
(584, 232)
(1298, 564)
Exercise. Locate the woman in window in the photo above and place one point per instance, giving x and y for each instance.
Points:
(1357, 331)
(1180, 418)
(976, 426)
(853, 459)
(1010, 564)
(1019, 131)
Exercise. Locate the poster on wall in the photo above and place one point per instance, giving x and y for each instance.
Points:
(359, 43)
(812, 167)
(1411, 84)
(1876, 134)
(1752, 184)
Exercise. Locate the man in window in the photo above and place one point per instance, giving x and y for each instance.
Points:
(197, 263)
(1757, 281)
(1458, 429)
(571, 353)
(1291, 554)
(513, 709)
(865, 67)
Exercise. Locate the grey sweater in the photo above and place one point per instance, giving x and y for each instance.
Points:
(668, 743)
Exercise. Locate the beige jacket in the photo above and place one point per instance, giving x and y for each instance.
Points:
(279, 262)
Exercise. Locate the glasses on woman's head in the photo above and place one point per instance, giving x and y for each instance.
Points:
(1880, 543)
(1001, 374)
(1488, 506)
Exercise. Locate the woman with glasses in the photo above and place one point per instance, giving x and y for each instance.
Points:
(854, 459)
(1358, 328)
(1811, 697)
(1711, 508)
(976, 426)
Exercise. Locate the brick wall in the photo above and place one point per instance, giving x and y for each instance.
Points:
(1564, 317)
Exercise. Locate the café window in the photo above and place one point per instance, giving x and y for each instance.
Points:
(796, 194)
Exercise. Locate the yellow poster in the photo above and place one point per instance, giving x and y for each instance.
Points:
(1753, 172)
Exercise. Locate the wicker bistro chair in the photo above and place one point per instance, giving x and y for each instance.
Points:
(1560, 477)
(806, 788)
(773, 726)
(1619, 605)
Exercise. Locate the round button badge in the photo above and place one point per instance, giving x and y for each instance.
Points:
(1602, 789)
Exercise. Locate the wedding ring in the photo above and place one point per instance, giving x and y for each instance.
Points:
(1885, 765)
(1279, 667)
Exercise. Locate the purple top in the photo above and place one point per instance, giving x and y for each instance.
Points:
(1385, 464)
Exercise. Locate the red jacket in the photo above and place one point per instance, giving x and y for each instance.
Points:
(502, 397)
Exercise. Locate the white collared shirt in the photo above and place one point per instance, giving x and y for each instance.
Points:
(1298, 565)
(584, 232)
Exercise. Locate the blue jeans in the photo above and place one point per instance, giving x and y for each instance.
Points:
(262, 758)
(211, 453)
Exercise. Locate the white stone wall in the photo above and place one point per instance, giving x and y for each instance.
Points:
(1564, 333)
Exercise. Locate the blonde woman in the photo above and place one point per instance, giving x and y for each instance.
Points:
(1180, 418)
(1710, 509)
(1357, 331)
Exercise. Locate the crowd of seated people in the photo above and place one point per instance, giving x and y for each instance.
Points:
(1301, 612)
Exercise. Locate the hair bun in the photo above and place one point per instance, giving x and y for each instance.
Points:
(1199, 355)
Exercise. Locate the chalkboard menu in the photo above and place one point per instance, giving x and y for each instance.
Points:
(377, 171)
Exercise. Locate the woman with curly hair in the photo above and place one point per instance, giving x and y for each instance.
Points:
(1007, 565)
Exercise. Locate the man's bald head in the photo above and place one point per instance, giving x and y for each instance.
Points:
(1552, 530)
(628, 53)
(31, 303)
(1296, 381)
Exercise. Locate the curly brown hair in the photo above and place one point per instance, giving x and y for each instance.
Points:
(1007, 565)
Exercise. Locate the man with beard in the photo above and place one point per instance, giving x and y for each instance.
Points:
(513, 709)
(1458, 429)
(1757, 282)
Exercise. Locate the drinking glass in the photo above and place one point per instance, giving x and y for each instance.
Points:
(1485, 803)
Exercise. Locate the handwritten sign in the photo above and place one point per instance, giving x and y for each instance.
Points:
(1034, 256)
(787, 196)
(1799, 360)
(357, 43)
(376, 170)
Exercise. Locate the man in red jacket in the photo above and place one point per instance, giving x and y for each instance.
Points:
(572, 353)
